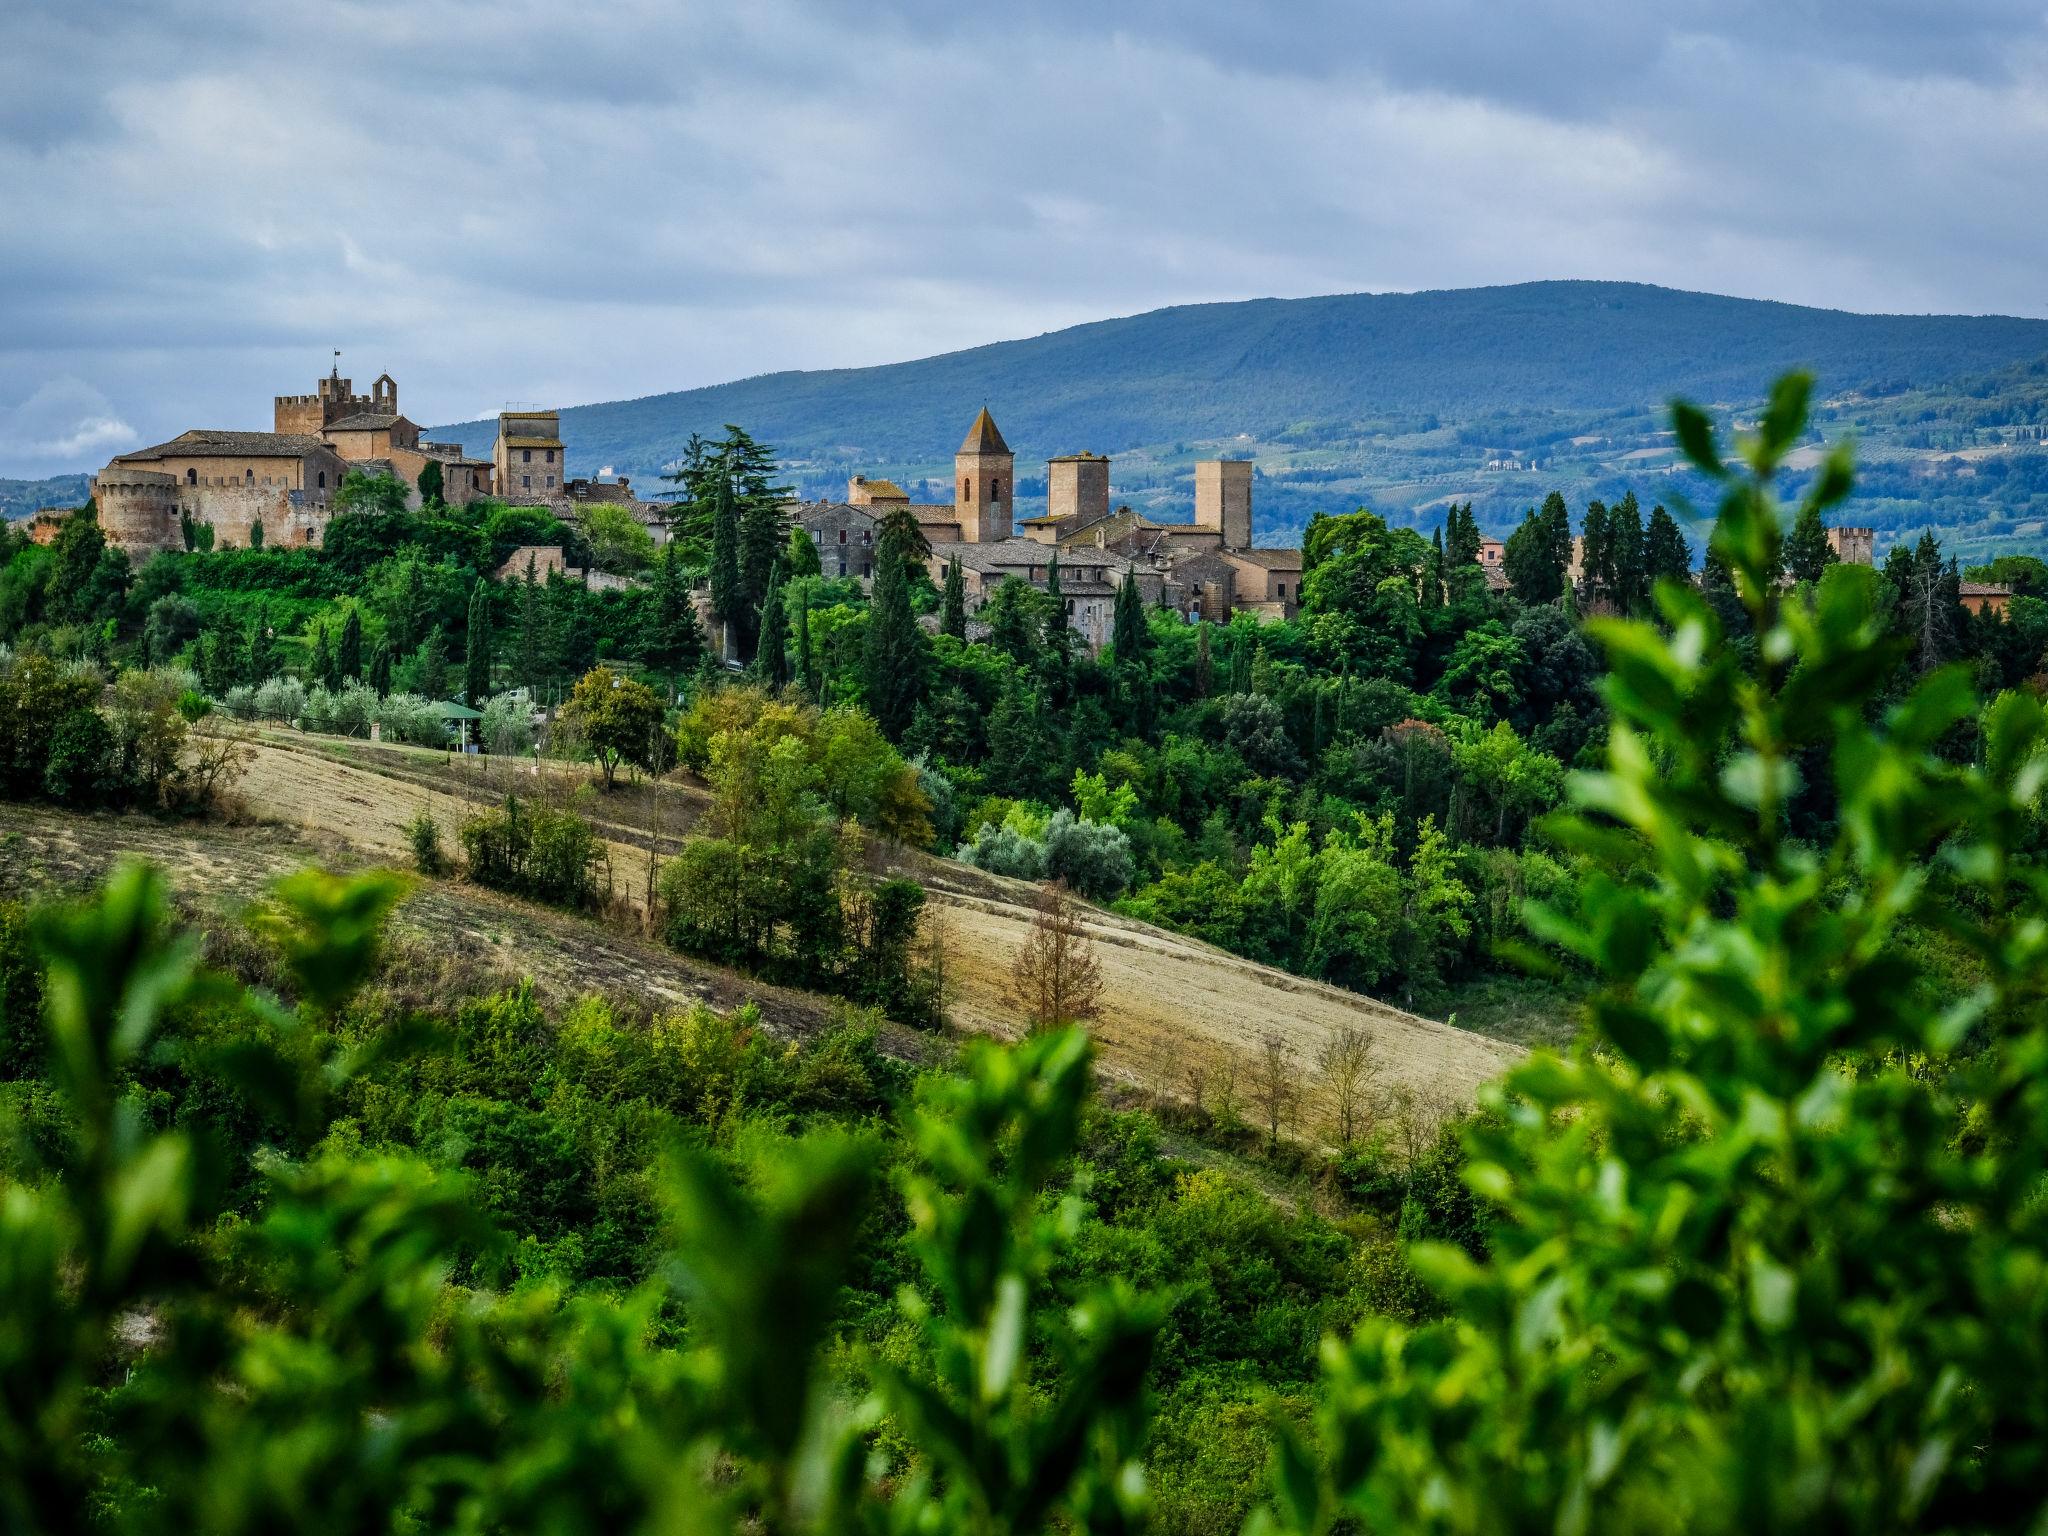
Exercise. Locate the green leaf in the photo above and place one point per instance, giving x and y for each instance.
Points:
(1696, 438)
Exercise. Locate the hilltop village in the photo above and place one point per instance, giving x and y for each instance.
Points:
(286, 480)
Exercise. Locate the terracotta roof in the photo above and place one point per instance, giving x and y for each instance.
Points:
(887, 490)
(983, 437)
(935, 512)
(367, 421)
(237, 445)
(1271, 559)
(1013, 554)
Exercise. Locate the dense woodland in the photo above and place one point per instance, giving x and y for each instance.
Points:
(299, 1231)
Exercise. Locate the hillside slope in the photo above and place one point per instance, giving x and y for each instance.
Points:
(1173, 1007)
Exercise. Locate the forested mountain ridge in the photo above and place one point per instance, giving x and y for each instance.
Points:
(1403, 402)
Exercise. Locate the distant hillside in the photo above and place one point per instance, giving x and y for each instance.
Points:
(25, 498)
(1402, 401)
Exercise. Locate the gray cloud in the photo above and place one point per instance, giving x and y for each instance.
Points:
(543, 202)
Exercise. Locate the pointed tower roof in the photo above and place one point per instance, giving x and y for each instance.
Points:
(983, 437)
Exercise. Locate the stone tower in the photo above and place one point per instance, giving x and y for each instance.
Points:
(334, 399)
(984, 481)
(1077, 485)
(1223, 500)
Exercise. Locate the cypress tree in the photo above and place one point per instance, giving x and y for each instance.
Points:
(806, 657)
(1807, 552)
(1127, 639)
(476, 661)
(256, 534)
(262, 655)
(1057, 629)
(1461, 538)
(1204, 669)
(322, 665)
(953, 615)
(725, 556)
(1625, 540)
(1666, 555)
(1433, 573)
(1596, 551)
(800, 558)
(348, 660)
(380, 669)
(893, 662)
(530, 655)
(677, 646)
(771, 661)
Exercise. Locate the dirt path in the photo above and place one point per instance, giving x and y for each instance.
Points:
(1175, 1009)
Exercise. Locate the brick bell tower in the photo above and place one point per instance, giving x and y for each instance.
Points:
(984, 483)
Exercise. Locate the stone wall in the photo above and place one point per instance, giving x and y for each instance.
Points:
(142, 511)
(1077, 486)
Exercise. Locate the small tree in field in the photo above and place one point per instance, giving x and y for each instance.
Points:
(1056, 978)
(1350, 1070)
(1274, 1088)
(616, 717)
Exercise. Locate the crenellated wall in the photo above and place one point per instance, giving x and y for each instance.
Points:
(140, 511)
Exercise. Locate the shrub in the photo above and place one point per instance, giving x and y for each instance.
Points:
(240, 702)
(507, 727)
(549, 855)
(1002, 849)
(81, 769)
(1093, 858)
(424, 833)
(409, 718)
(281, 698)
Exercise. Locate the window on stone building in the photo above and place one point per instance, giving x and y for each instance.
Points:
(526, 482)
(842, 539)
(248, 477)
(995, 490)
(551, 481)
(1280, 587)
(191, 477)
(526, 455)
(323, 479)
(967, 490)
(842, 567)
(867, 535)
(551, 455)
(866, 569)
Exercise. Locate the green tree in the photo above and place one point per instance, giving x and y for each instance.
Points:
(617, 718)
(1666, 555)
(262, 645)
(348, 656)
(800, 556)
(1807, 551)
(1537, 554)
(431, 485)
(953, 611)
(771, 661)
(380, 669)
(256, 534)
(1784, 1187)
(619, 541)
(1631, 585)
(530, 657)
(1129, 637)
(677, 644)
(321, 667)
(476, 656)
(727, 595)
(892, 674)
(373, 494)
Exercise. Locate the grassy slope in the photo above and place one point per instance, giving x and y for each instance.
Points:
(1172, 1004)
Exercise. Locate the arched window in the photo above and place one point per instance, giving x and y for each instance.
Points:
(323, 479)
(995, 490)
(191, 477)
(967, 490)
(248, 477)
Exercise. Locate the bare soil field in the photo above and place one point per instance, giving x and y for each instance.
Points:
(1180, 1018)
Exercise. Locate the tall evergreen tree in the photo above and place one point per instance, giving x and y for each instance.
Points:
(262, 648)
(322, 665)
(1532, 563)
(1666, 555)
(431, 485)
(476, 660)
(677, 645)
(380, 669)
(1205, 679)
(1127, 639)
(348, 658)
(1433, 573)
(953, 613)
(1807, 551)
(806, 653)
(893, 664)
(726, 595)
(1596, 552)
(771, 659)
(1625, 540)
(530, 652)
(1461, 538)
(1058, 632)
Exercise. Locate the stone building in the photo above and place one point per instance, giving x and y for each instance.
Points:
(371, 433)
(1223, 500)
(1077, 486)
(528, 460)
(984, 483)
(1854, 546)
(229, 481)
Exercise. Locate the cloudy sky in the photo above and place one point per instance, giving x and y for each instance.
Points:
(558, 202)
